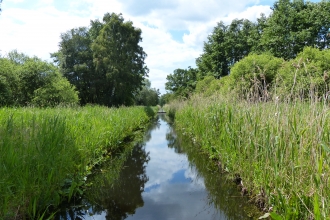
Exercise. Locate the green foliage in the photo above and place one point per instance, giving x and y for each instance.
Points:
(75, 59)
(294, 25)
(209, 86)
(105, 61)
(307, 76)
(119, 59)
(182, 82)
(291, 26)
(204, 84)
(225, 84)
(58, 92)
(5, 92)
(149, 111)
(279, 150)
(47, 154)
(162, 100)
(9, 82)
(225, 46)
(29, 80)
(147, 96)
(214, 87)
(165, 98)
(253, 76)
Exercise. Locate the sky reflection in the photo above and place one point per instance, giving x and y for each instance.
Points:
(173, 191)
(159, 182)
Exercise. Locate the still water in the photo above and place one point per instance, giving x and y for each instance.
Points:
(164, 177)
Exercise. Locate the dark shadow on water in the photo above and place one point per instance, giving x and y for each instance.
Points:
(115, 197)
(149, 111)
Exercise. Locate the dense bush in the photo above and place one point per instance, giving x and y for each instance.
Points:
(30, 81)
(203, 85)
(306, 76)
(8, 82)
(209, 86)
(252, 77)
(58, 91)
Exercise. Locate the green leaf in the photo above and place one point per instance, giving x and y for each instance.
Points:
(276, 216)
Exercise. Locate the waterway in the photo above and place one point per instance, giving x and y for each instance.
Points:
(164, 177)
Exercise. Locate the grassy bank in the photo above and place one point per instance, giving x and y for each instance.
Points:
(46, 154)
(281, 151)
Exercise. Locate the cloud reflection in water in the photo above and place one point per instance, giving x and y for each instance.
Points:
(173, 191)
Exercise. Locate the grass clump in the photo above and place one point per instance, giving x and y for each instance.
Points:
(46, 154)
(280, 150)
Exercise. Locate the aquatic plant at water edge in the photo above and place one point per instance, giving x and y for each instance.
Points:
(280, 150)
(46, 154)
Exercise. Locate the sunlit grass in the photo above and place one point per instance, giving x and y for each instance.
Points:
(280, 150)
(46, 154)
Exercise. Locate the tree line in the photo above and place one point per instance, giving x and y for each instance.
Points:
(101, 64)
(282, 36)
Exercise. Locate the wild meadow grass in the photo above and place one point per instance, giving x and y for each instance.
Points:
(280, 150)
(46, 154)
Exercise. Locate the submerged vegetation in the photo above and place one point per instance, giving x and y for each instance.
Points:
(47, 154)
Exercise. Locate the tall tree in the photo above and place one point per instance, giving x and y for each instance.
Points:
(75, 59)
(147, 96)
(182, 82)
(119, 58)
(105, 61)
(225, 46)
(256, 34)
(213, 60)
(295, 25)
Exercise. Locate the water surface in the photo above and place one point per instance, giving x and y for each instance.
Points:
(165, 177)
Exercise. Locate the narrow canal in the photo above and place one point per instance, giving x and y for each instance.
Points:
(164, 177)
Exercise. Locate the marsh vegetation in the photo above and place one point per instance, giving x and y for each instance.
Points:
(47, 154)
(258, 104)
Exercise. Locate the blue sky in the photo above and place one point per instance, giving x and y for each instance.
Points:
(173, 31)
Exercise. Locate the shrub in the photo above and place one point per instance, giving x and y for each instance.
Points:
(252, 77)
(307, 76)
(203, 85)
(58, 91)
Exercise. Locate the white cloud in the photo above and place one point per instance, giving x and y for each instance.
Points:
(251, 13)
(36, 30)
(46, 2)
(17, 1)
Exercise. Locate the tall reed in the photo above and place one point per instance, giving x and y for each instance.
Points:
(46, 154)
(280, 150)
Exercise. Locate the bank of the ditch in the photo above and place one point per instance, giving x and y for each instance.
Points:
(280, 151)
(46, 154)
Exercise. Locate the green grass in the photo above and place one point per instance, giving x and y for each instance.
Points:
(46, 154)
(280, 150)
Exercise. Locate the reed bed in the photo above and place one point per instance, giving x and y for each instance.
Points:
(47, 154)
(279, 150)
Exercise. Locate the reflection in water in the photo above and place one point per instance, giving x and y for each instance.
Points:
(113, 198)
(159, 182)
(124, 195)
(222, 193)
